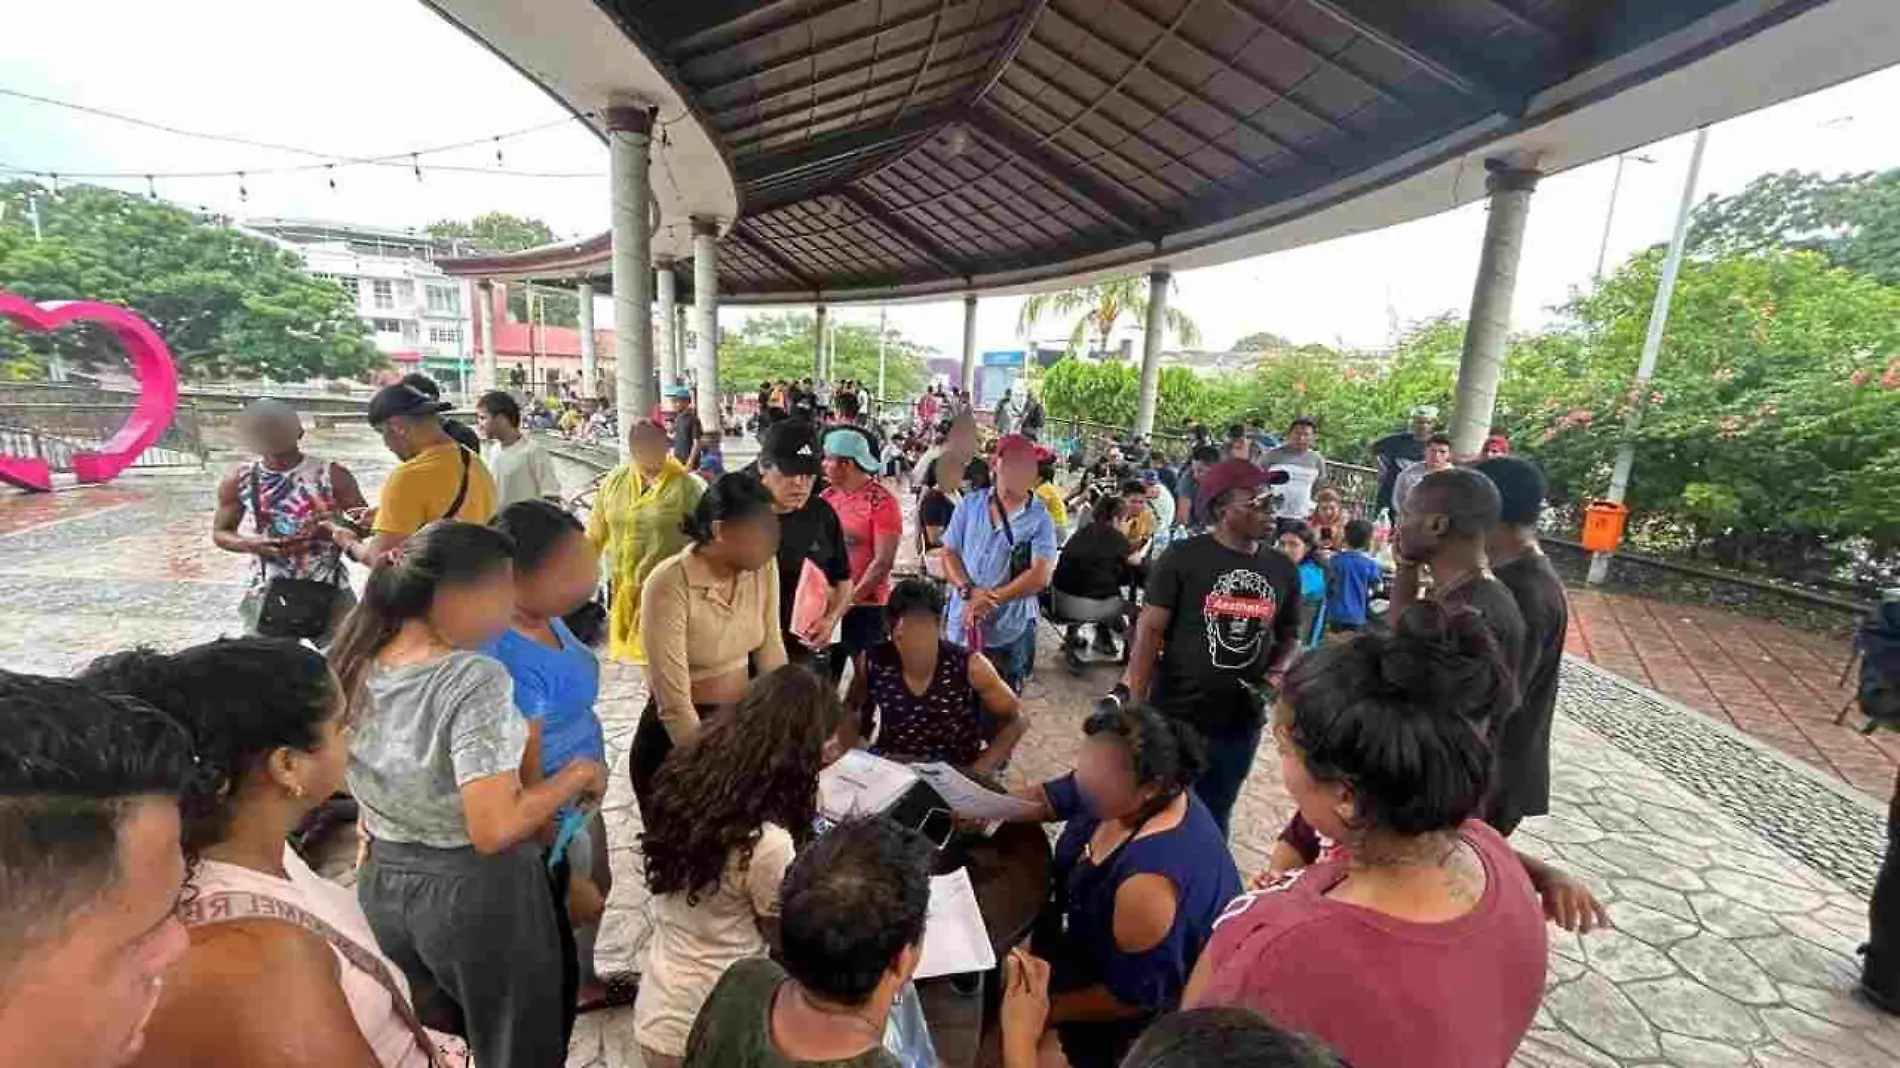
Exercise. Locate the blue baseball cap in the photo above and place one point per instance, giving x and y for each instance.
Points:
(845, 443)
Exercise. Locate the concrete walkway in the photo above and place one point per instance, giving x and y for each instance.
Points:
(1736, 875)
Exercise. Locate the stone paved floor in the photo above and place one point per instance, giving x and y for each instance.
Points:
(1735, 875)
(1778, 683)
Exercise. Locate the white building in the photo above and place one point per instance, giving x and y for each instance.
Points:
(414, 311)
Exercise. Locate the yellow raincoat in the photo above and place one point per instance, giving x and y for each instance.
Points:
(635, 525)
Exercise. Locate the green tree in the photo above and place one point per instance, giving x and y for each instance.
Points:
(494, 231)
(1097, 309)
(771, 347)
(1263, 341)
(226, 304)
(1853, 220)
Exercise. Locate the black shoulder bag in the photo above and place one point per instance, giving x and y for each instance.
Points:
(461, 491)
(1021, 557)
(293, 607)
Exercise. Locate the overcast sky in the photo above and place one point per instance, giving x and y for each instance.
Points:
(372, 77)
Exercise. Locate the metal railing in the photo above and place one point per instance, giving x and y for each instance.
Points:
(54, 432)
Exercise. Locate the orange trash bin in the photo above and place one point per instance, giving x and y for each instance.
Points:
(1603, 525)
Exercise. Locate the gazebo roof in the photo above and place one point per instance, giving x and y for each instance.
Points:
(890, 148)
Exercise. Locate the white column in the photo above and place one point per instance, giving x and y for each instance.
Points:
(969, 346)
(818, 367)
(1158, 282)
(1489, 327)
(669, 323)
(486, 374)
(590, 366)
(706, 318)
(628, 130)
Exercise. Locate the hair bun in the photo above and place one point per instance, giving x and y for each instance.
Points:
(1445, 661)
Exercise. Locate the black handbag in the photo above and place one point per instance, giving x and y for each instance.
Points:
(1021, 557)
(293, 607)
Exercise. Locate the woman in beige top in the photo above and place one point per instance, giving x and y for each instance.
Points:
(727, 809)
(710, 621)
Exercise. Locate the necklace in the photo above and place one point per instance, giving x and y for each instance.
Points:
(872, 1028)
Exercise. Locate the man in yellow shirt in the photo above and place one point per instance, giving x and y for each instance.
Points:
(437, 479)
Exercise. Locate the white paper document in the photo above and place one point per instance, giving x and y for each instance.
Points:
(971, 799)
(955, 938)
(861, 784)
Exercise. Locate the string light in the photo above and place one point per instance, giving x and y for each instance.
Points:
(417, 165)
(244, 195)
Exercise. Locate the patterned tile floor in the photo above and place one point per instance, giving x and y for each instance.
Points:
(1735, 875)
(1780, 684)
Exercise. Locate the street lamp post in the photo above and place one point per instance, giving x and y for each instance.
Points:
(1652, 345)
(1609, 216)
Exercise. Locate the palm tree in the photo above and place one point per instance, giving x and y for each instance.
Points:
(1101, 305)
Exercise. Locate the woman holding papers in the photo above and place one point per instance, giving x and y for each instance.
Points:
(1141, 872)
(710, 621)
(931, 697)
(726, 811)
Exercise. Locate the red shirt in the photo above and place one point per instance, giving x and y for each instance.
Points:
(866, 515)
(1385, 992)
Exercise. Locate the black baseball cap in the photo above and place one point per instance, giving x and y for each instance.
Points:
(400, 399)
(792, 447)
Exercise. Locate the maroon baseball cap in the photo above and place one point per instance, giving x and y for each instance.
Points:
(1232, 475)
(1015, 445)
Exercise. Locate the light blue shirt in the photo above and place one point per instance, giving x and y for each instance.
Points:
(984, 549)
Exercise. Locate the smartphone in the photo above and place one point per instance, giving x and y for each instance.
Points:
(937, 826)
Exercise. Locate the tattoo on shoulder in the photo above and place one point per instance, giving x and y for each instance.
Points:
(1464, 874)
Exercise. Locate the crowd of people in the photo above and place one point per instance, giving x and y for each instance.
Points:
(148, 812)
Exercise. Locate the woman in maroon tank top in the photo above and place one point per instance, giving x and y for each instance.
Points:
(1425, 947)
(931, 699)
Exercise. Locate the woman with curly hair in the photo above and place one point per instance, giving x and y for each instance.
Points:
(727, 810)
(266, 717)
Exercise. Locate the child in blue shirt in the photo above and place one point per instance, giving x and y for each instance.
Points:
(557, 679)
(1355, 573)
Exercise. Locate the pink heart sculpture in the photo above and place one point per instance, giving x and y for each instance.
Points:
(151, 365)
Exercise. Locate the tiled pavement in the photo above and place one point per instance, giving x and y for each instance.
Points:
(1778, 683)
(1736, 877)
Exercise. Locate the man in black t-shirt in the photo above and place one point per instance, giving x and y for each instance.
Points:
(808, 529)
(1443, 530)
(1396, 452)
(1523, 746)
(1219, 625)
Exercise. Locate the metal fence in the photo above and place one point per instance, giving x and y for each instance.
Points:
(54, 432)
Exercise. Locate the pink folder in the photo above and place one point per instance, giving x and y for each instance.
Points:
(808, 605)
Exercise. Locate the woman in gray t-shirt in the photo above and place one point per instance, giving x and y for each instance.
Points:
(455, 885)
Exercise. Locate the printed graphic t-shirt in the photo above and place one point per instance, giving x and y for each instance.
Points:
(1229, 612)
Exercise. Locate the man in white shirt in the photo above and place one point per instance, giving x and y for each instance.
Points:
(522, 468)
(1304, 467)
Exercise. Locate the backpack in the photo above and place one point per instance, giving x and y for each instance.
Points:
(1878, 643)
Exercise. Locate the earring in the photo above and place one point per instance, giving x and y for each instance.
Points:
(296, 790)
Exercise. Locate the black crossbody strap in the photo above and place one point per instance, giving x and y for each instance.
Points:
(461, 492)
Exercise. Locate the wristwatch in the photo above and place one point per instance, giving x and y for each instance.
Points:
(966, 590)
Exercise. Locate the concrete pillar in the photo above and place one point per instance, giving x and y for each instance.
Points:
(1159, 281)
(706, 316)
(1490, 323)
(969, 346)
(669, 323)
(818, 367)
(486, 374)
(590, 361)
(628, 141)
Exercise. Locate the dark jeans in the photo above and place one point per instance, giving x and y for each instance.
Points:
(1880, 973)
(1015, 660)
(863, 626)
(1230, 756)
(481, 943)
